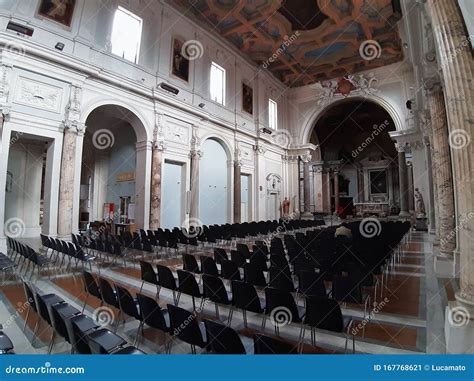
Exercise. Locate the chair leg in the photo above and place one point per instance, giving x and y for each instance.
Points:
(35, 331)
(51, 344)
(217, 311)
(244, 314)
(85, 302)
(229, 318)
(136, 341)
(26, 319)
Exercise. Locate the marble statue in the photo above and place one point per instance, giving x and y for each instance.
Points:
(419, 203)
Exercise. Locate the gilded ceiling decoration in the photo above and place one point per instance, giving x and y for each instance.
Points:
(306, 41)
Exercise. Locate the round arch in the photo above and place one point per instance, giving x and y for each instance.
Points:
(225, 144)
(314, 117)
(136, 119)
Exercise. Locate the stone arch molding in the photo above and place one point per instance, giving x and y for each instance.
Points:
(221, 140)
(137, 120)
(317, 112)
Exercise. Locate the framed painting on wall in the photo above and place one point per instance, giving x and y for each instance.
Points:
(60, 11)
(247, 98)
(179, 63)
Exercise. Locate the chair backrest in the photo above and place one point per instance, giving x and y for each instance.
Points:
(311, 283)
(148, 273)
(190, 263)
(78, 327)
(278, 261)
(276, 300)
(166, 278)
(42, 306)
(208, 266)
(265, 345)
(238, 258)
(152, 313)
(127, 304)
(345, 289)
(230, 270)
(245, 296)
(214, 289)
(29, 295)
(244, 249)
(185, 326)
(188, 284)
(259, 260)
(280, 277)
(91, 285)
(223, 339)
(60, 312)
(108, 294)
(220, 255)
(323, 313)
(254, 275)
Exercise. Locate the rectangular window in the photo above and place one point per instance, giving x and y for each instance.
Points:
(217, 83)
(126, 35)
(272, 114)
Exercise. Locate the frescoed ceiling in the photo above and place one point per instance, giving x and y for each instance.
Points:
(305, 41)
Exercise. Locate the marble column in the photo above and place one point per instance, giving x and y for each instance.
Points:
(431, 184)
(411, 191)
(403, 182)
(336, 191)
(66, 180)
(457, 67)
(360, 185)
(444, 175)
(237, 192)
(307, 187)
(155, 194)
(195, 156)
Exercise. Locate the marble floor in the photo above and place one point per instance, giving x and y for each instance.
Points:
(410, 319)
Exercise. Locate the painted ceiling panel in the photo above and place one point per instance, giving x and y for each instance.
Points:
(312, 40)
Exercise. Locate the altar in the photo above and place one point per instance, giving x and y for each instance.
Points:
(381, 209)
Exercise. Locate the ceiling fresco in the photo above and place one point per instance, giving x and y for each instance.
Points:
(306, 41)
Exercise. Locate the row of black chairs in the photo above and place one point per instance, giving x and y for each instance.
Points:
(25, 255)
(60, 251)
(79, 330)
(243, 295)
(211, 335)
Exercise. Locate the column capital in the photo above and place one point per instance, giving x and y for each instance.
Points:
(306, 158)
(259, 148)
(195, 154)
